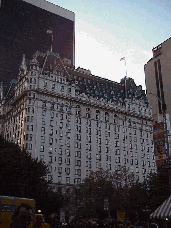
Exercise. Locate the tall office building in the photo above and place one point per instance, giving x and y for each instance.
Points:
(77, 122)
(158, 80)
(23, 30)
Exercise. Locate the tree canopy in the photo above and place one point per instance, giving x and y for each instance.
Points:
(23, 176)
(122, 192)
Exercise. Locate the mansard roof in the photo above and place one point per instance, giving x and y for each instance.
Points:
(86, 83)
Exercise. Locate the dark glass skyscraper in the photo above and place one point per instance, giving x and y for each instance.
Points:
(23, 30)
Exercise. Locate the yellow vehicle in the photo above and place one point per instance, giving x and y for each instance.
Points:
(7, 206)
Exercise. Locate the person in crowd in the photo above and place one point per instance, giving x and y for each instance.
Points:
(22, 216)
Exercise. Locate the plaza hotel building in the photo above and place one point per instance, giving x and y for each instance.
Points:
(77, 122)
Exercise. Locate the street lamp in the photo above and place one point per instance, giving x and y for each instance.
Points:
(166, 136)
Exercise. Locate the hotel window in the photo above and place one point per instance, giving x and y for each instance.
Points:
(42, 148)
(43, 121)
(117, 152)
(61, 133)
(30, 146)
(41, 157)
(67, 170)
(43, 104)
(116, 143)
(117, 159)
(67, 152)
(68, 126)
(51, 123)
(59, 170)
(100, 149)
(61, 116)
(60, 142)
(67, 161)
(52, 106)
(42, 139)
(45, 83)
(107, 149)
(143, 171)
(68, 134)
(53, 86)
(59, 160)
(59, 179)
(43, 130)
(50, 150)
(31, 127)
(51, 141)
(87, 173)
(61, 124)
(60, 151)
(51, 132)
(43, 112)
(69, 118)
(77, 162)
(78, 172)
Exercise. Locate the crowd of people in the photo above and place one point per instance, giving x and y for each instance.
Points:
(23, 215)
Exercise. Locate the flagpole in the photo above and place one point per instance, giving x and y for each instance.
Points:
(125, 80)
(123, 58)
(52, 41)
(125, 67)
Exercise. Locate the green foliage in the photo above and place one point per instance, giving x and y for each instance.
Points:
(91, 194)
(23, 176)
(158, 187)
(124, 193)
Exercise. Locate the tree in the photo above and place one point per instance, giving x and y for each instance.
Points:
(23, 176)
(158, 186)
(92, 193)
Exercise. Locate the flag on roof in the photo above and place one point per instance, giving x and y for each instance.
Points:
(49, 31)
(122, 58)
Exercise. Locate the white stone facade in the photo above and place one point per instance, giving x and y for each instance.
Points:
(71, 132)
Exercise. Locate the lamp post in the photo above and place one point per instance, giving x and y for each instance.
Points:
(168, 165)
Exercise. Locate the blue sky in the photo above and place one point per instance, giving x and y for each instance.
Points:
(107, 30)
